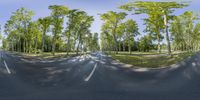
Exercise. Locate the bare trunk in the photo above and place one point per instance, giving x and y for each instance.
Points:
(43, 41)
(20, 45)
(116, 45)
(129, 46)
(28, 47)
(12, 45)
(77, 49)
(68, 45)
(53, 46)
(159, 46)
(124, 46)
(79, 42)
(167, 35)
(119, 47)
(36, 44)
(24, 46)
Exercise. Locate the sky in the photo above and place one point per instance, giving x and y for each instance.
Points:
(92, 7)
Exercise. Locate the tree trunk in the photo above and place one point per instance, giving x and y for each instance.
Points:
(43, 41)
(167, 35)
(68, 45)
(124, 46)
(116, 45)
(119, 47)
(12, 45)
(24, 46)
(116, 48)
(20, 45)
(36, 44)
(77, 49)
(53, 46)
(79, 41)
(129, 46)
(159, 46)
(28, 47)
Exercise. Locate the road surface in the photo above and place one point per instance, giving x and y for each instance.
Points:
(95, 77)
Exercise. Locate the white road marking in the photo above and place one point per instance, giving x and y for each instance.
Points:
(7, 67)
(88, 78)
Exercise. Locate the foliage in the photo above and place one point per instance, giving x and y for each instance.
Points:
(118, 33)
(185, 33)
(17, 29)
(45, 26)
(112, 21)
(47, 34)
(155, 11)
(57, 16)
(145, 43)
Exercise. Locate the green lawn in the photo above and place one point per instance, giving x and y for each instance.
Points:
(150, 59)
(48, 54)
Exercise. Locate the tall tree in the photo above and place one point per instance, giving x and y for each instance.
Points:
(131, 31)
(106, 39)
(94, 43)
(164, 9)
(45, 25)
(0, 33)
(18, 24)
(34, 36)
(155, 25)
(112, 21)
(75, 24)
(57, 15)
(145, 43)
(184, 31)
(83, 23)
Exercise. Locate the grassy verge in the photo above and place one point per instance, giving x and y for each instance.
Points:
(48, 55)
(151, 60)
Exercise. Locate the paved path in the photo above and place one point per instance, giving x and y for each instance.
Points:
(95, 77)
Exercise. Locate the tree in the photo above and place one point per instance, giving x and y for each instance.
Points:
(107, 41)
(164, 9)
(16, 28)
(45, 25)
(131, 28)
(145, 43)
(57, 15)
(154, 25)
(83, 23)
(0, 33)
(1, 37)
(112, 21)
(25, 35)
(71, 27)
(77, 27)
(184, 32)
(94, 44)
(34, 36)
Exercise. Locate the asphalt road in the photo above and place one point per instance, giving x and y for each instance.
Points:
(95, 77)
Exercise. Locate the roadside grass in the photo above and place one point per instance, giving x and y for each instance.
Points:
(150, 59)
(139, 53)
(49, 55)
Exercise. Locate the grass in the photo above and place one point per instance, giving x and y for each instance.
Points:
(48, 55)
(150, 59)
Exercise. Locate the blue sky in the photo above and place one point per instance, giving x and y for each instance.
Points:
(92, 7)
